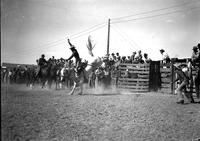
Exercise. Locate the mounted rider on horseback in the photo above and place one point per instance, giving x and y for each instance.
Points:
(41, 64)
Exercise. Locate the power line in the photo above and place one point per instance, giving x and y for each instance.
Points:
(89, 31)
(86, 30)
(123, 33)
(147, 17)
(63, 40)
(155, 10)
(55, 44)
(114, 27)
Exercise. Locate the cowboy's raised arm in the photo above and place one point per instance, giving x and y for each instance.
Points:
(70, 57)
(69, 42)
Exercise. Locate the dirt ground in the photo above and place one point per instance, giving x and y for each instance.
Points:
(49, 115)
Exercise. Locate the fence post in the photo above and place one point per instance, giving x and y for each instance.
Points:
(172, 78)
(154, 76)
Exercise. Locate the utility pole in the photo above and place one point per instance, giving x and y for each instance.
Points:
(108, 39)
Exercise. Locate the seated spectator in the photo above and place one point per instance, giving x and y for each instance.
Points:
(138, 58)
(123, 60)
(146, 58)
(165, 56)
(118, 57)
(113, 57)
(129, 60)
(133, 56)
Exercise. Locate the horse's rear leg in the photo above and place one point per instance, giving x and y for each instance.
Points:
(73, 89)
(81, 88)
(43, 83)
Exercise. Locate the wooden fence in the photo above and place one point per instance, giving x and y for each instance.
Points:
(167, 76)
(144, 77)
(138, 80)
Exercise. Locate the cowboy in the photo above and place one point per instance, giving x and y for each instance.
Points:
(196, 64)
(184, 81)
(165, 56)
(75, 54)
(41, 63)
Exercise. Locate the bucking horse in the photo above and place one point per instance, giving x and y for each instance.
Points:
(80, 75)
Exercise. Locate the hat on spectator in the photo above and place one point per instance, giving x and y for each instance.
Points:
(194, 48)
(162, 50)
(198, 45)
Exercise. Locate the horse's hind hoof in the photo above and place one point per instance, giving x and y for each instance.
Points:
(80, 93)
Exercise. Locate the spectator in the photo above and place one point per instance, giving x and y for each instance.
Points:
(116, 75)
(123, 60)
(146, 58)
(98, 73)
(133, 56)
(165, 56)
(195, 54)
(129, 59)
(138, 57)
(118, 57)
(113, 57)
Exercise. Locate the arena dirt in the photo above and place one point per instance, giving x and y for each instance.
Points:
(49, 115)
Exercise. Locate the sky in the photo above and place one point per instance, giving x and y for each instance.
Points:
(30, 28)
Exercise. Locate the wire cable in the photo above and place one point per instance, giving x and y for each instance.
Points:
(55, 43)
(128, 39)
(148, 17)
(114, 27)
(155, 10)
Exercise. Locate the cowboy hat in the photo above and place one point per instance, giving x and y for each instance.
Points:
(177, 66)
(162, 50)
(194, 48)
